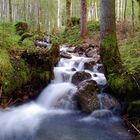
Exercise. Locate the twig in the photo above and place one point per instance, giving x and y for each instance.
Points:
(135, 128)
(136, 82)
(11, 103)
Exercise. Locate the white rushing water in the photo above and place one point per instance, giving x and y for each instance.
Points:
(54, 115)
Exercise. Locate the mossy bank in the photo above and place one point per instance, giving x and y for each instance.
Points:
(25, 72)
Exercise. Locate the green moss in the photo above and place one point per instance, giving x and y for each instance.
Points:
(8, 38)
(6, 69)
(110, 54)
(17, 70)
(40, 74)
(93, 27)
(13, 73)
(24, 36)
(74, 21)
(123, 86)
(21, 28)
(130, 52)
(38, 36)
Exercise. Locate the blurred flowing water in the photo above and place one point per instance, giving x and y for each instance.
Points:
(55, 116)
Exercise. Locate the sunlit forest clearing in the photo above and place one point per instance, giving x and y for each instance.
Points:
(70, 62)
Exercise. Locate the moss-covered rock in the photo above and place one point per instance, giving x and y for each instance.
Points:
(124, 86)
(21, 28)
(26, 68)
(13, 73)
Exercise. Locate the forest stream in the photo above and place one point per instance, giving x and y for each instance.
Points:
(55, 114)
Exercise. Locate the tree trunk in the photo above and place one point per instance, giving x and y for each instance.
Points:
(139, 10)
(10, 11)
(68, 12)
(125, 7)
(133, 15)
(38, 16)
(58, 14)
(83, 18)
(110, 53)
(122, 84)
(24, 12)
(118, 10)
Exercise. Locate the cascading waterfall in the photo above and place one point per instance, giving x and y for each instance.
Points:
(55, 116)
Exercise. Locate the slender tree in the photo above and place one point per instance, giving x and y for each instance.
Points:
(139, 10)
(10, 11)
(68, 11)
(83, 19)
(24, 12)
(38, 15)
(125, 10)
(125, 7)
(133, 15)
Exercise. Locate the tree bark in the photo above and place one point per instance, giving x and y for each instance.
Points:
(83, 19)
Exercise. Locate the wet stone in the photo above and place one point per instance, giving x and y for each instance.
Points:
(80, 76)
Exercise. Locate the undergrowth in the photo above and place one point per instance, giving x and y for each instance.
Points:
(9, 39)
(130, 54)
(72, 35)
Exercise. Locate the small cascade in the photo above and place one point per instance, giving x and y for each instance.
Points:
(58, 95)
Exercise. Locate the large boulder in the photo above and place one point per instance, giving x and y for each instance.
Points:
(80, 76)
(87, 96)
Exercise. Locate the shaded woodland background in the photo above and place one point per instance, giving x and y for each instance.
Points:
(53, 14)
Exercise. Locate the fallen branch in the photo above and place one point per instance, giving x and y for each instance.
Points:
(10, 103)
(135, 80)
(132, 125)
